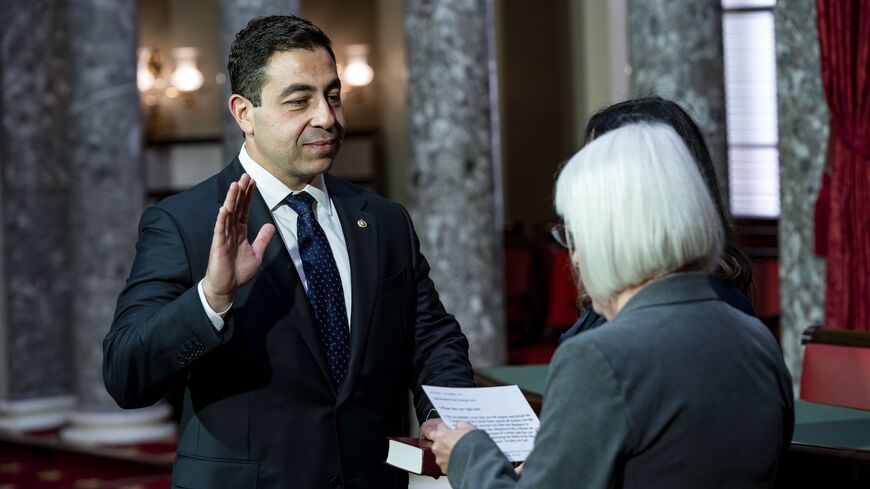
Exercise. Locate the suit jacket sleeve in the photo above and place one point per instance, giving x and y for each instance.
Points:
(440, 348)
(585, 427)
(160, 326)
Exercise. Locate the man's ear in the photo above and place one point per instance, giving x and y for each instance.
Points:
(242, 111)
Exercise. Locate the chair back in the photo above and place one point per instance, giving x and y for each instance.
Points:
(562, 310)
(836, 367)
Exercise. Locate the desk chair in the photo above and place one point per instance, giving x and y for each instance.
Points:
(561, 310)
(836, 367)
(562, 304)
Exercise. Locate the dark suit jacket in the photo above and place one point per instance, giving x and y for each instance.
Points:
(259, 409)
(680, 390)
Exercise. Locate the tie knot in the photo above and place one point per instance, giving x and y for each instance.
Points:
(301, 203)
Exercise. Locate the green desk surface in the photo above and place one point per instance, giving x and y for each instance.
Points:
(530, 378)
(831, 426)
(816, 425)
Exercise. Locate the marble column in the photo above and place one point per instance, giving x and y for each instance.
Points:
(35, 378)
(105, 148)
(675, 51)
(454, 168)
(803, 135)
(234, 16)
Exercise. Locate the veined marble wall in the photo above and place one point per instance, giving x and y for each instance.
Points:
(35, 189)
(234, 16)
(453, 179)
(803, 135)
(105, 142)
(70, 142)
(675, 51)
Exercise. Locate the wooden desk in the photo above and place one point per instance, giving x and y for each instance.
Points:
(831, 430)
(830, 447)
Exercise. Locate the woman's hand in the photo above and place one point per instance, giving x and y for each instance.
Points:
(429, 427)
(445, 439)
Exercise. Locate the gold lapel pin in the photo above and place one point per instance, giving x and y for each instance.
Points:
(362, 223)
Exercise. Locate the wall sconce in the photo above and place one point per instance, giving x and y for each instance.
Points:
(148, 69)
(158, 85)
(357, 72)
(186, 77)
(151, 73)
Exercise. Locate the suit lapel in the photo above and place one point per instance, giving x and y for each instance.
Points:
(361, 236)
(281, 274)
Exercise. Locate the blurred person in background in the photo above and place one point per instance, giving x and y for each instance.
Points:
(732, 277)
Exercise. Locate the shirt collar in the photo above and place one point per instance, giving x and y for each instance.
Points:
(274, 191)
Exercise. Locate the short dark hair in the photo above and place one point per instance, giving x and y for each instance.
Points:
(734, 266)
(259, 40)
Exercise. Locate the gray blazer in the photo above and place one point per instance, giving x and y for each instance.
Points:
(679, 390)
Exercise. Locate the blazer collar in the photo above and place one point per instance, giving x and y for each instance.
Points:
(361, 235)
(677, 288)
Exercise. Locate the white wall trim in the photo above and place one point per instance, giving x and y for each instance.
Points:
(37, 414)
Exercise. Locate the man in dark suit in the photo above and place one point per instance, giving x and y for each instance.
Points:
(295, 354)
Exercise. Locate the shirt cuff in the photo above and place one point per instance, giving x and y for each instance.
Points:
(217, 318)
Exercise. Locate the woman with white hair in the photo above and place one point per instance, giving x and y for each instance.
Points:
(678, 389)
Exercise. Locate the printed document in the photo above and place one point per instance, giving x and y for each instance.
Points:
(503, 412)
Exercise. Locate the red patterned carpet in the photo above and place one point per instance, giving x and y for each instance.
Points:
(43, 461)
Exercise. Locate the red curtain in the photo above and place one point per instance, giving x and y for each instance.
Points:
(844, 39)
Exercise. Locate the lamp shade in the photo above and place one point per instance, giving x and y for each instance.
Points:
(186, 77)
(357, 72)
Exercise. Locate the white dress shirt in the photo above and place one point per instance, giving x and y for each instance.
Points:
(274, 192)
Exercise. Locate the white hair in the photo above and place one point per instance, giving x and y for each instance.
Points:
(636, 208)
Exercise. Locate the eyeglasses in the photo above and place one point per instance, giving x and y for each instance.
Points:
(560, 235)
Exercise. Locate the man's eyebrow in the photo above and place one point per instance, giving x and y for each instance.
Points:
(296, 87)
(335, 84)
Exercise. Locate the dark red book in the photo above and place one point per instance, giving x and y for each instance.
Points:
(412, 455)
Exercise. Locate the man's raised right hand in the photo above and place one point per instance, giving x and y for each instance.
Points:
(233, 261)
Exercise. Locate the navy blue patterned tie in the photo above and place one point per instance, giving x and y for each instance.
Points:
(324, 286)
